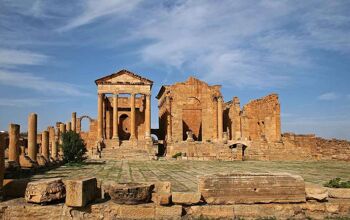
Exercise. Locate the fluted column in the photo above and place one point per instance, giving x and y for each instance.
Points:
(74, 121)
(115, 117)
(148, 118)
(32, 135)
(14, 142)
(220, 118)
(45, 145)
(133, 117)
(169, 120)
(100, 116)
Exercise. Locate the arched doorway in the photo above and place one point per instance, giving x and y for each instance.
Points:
(124, 127)
(192, 118)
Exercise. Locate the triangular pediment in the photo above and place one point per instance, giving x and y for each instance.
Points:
(124, 77)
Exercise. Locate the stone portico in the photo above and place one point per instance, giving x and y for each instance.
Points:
(124, 109)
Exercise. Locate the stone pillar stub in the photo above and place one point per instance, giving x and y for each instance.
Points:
(14, 143)
(74, 121)
(115, 117)
(133, 117)
(62, 130)
(32, 136)
(100, 116)
(45, 145)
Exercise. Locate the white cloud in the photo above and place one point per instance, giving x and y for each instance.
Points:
(329, 96)
(39, 84)
(12, 57)
(26, 102)
(93, 10)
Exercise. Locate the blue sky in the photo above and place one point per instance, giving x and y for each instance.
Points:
(52, 51)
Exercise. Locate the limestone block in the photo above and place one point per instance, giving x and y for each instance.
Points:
(130, 193)
(44, 191)
(315, 192)
(42, 162)
(137, 212)
(164, 187)
(249, 188)
(26, 162)
(161, 198)
(212, 211)
(186, 198)
(169, 212)
(339, 193)
(80, 192)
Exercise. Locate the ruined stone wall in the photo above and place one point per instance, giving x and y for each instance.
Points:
(261, 119)
(193, 107)
(90, 137)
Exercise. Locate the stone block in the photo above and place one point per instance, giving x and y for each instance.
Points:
(339, 193)
(137, 211)
(80, 192)
(42, 162)
(169, 212)
(249, 188)
(130, 193)
(186, 198)
(44, 191)
(315, 192)
(162, 187)
(211, 211)
(161, 198)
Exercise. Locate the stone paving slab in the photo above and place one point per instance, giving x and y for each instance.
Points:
(183, 174)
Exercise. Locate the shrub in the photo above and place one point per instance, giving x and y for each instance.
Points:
(73, 147)
(337, 183)
(178, 154)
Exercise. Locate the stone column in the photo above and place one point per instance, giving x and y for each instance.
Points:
(45, 145)
(69, 126)
(148, 118)
(169, 120)
(133, 117)
(100, 116)
(53, 143)
(74, 121)
(32, 135)
(2, 159)
(62, 130)
(108, 123)
(14, 143)
(220, 118)
(115, 117)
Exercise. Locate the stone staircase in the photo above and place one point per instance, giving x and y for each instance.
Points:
(126, 151)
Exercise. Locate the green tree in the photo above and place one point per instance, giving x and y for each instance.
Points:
(73, 147)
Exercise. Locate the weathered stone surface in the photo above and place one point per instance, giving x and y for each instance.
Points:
(137, 211)
(161, 198)
(44, 191)
(222, 189)
(186, 198)
(211, 211)
(315, 192)
(42, 162)
(339, 193)
(80, 192)
(169, 212)
(164, 187)
(130, 193)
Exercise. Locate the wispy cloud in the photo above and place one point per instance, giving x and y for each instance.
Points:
(11, 57)
(329, 96)
(26, 102)
(40, 84)
(93, 10)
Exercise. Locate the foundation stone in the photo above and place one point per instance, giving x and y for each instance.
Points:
(80, 192)
(249, 188)
(130, 193)
(186, 198)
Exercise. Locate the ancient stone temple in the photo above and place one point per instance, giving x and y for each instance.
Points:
(124, 109)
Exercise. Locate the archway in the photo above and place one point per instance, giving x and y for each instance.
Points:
(124, 127)
(83, 127)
